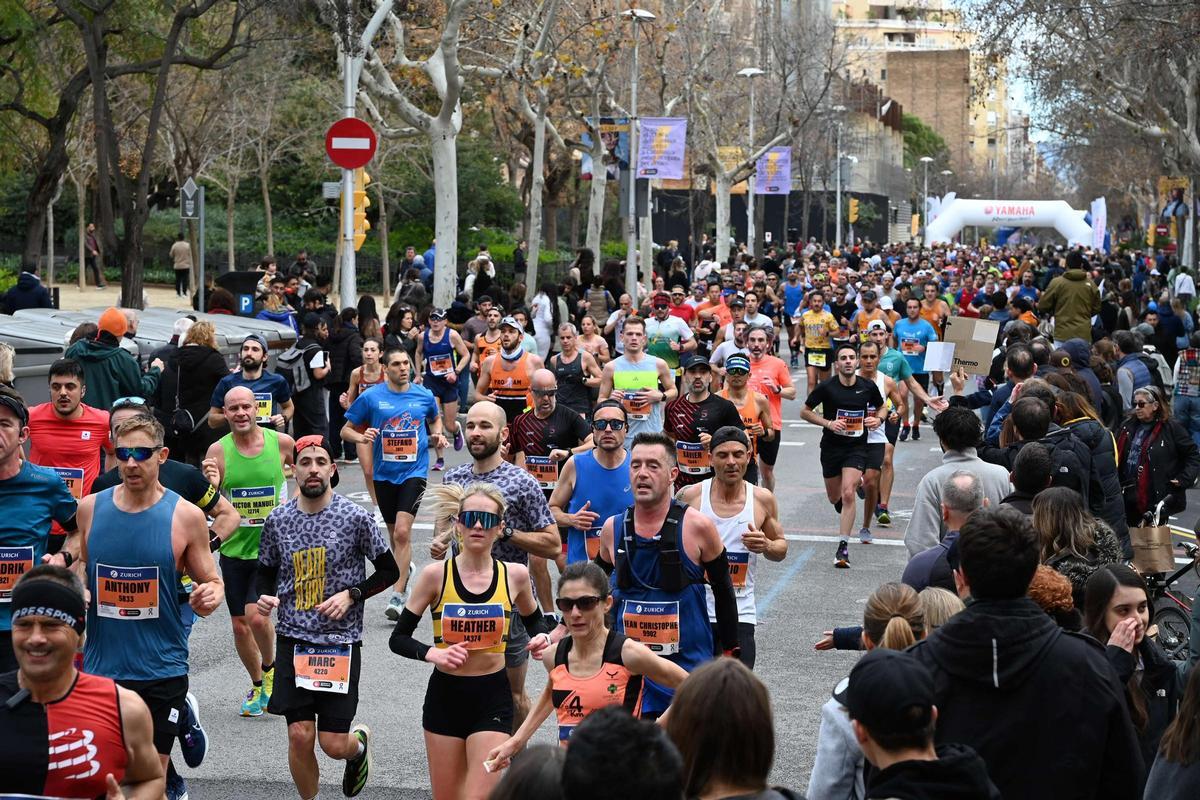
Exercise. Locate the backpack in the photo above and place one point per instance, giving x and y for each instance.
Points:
(291, 365)
(1156, 378)
(1072, 462)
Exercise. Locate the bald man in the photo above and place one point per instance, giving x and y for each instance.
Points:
(540, 440)
(250, 465)
(529, 528)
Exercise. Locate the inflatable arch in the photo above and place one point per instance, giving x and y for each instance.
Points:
(950, 215)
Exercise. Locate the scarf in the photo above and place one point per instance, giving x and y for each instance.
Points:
(516, 355)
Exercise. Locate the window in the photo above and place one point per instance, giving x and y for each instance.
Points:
(991, 141)
(991, 119)
(883, 74)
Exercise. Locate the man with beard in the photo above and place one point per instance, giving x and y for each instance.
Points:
(272, 393)
(250, 465)
(692, 419)
(753, 408)
(770, 377)
(67, 435)
(529, 527)
(400, 420)
(505, 377)
(642, 382)
(312, 572)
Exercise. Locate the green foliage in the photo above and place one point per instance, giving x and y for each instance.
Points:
(921, 140)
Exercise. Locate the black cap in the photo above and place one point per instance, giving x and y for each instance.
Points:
(869, 294)
(695, 360)
(737, 300)
(889, 692)
(437, 313)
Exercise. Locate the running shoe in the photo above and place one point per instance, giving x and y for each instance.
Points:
(176, 786)
(359, 767)
(458, 439)
(268, 688)
(841, 559)
(395, 606)
(864, 536)
(882, 516)
(904, 431)
(916, 436)
(193, 741)
(439, 465)
(252, 706)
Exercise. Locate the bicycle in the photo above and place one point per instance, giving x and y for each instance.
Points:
(1172, 609)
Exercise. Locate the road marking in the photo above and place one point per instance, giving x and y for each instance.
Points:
(792, 444)
(785, 579)
(806, 537)
(1184, 532)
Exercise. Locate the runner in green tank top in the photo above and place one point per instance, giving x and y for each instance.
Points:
(250, 466)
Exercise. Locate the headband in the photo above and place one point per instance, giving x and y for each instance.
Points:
(43, 597)
(728, 434)
(15, 405)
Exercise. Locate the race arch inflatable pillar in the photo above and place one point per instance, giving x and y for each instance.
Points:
(955, 213)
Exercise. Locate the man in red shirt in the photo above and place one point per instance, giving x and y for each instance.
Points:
(770, 377)
(680, 308)
(67, 435)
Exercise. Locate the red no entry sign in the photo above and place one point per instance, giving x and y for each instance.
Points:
(350, 143)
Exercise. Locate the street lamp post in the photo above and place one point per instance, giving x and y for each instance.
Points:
(837, 211)
(926, 160)
(637, 16)
(750, 73)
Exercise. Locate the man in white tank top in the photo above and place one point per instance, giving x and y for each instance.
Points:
(747, 519)
(881, 441)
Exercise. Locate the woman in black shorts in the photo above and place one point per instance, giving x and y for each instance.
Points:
(471, 597)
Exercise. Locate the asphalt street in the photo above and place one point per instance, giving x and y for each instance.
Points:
(797, 599)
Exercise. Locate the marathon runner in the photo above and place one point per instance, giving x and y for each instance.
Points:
(65, 733)
(145, 539)
(65, 434)
(913, 335)
(659, 600)
(311, 571)
(528, 530)
(753, 408)
(591, 668)
(728, 347)
(691, 419)
(593, 485)
(868, 313)
(880, 442)
(469, 703)
(747, 519)
(667, 336)
(642, 382)
(770, 377)
(591, 341)
(399, 420)
(577, 372)
(935, 311)
(272, 392)
(793, 299)
(371, 373)
(442, 358)
(844, 400)
(32, 497)
(250, 465)
(816, 325)
(504, 378)
(487, 343)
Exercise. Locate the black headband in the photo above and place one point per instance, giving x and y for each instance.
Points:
(729, 434)
(42, 597)
(14, 404)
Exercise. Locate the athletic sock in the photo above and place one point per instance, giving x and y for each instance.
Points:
(268, 667)
(838, 506)
(257, 683)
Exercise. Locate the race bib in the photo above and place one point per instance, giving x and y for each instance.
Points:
(441, 365)
(253, 503)
(654, 624)
(324, 668)
(127, 593)
(15, 562)
(853, 420)
(263, 405)
(544, 468)
(910, 347)
(478, 626)
(693, 458)
(816, 359)
(73, 478)
(739, 569)
(399, 446)
(591, 540)
(635, 409)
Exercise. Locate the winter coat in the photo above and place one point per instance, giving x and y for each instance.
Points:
(1081, 359)
(345, 353)
(286, 317)
(957, 774)
(1104, 484)
(1106, 549)
(1171, 454)
(202, 369)
(837, 772)
(1040, 705)
(28, 293)
(1071, 457)
(111, 372)
(1071, 299)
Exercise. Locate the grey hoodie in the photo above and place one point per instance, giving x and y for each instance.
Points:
(838, 770)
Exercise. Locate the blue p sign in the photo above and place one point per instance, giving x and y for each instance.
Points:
(245, 304)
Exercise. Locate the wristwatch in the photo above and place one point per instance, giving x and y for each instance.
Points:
(507, 533)
(356, 594)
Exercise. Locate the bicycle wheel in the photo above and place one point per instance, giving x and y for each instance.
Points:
(1173, 627)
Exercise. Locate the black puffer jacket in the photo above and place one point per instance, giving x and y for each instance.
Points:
(345, 353)
(202, 368)
(1170, 456)
(1104, 492)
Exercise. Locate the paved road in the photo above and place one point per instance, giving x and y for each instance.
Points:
(797, 599)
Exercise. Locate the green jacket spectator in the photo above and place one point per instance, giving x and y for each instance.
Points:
(110, 372)
(1072, 299)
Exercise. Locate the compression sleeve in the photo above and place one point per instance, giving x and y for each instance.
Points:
(536, 623)
(602, 564)
(402, 641)
(386, 573)
(266, 579)
(717, 571)
(848, 638)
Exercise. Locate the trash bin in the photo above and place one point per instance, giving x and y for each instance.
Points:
(37, 346)
(233, 330)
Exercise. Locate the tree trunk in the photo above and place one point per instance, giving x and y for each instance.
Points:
(760, 214)
(193, 234)
(385, 260)
(723, 185)
(550, 214)
(805, 210)
(81, 227)
(264, 180)
(230, 203)
(596, 198)
(537, 188)
(443, 141)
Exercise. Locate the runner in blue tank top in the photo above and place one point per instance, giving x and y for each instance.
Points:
(137, 540)
(442, 361)
(593, 486)
(660, 566)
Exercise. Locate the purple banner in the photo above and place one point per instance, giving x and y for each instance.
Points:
(661, 147)
(773, 173)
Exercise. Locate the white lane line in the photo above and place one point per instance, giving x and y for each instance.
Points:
(792, 444)
(804, 537)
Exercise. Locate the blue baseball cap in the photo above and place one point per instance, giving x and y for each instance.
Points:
(737, 361)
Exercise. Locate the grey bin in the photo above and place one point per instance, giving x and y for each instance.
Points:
(150, 336)
(233, 329)
(37, 346)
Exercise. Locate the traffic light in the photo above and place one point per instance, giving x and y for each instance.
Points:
(361, 202)
(853, 209)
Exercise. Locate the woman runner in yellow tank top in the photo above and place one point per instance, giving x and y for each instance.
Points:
(468, 705)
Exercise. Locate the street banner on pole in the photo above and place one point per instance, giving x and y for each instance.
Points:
(774, 171)
(614, 132)
(661, 147)
(1099, 223)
